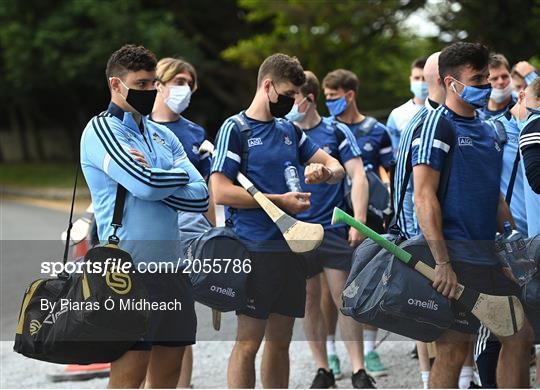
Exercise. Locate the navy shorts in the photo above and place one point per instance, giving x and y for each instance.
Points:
(169, 328)
(276, 284)
(484, 279)
(334, 252)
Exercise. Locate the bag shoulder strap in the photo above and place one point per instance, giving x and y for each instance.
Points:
(500, 131)
(245, 134)
(367, 124)
(510, 189)
(118, 213)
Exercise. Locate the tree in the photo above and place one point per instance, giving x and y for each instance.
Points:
(363, 36)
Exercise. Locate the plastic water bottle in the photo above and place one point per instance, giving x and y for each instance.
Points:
(515, 250)
(291, 177)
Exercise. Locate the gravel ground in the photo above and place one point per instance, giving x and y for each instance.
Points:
(210, 368)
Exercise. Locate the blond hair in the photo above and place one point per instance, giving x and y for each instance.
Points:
(169, 67)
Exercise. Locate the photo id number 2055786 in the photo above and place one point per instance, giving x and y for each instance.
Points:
(216, 266)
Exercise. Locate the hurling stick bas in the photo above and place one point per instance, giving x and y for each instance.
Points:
(503, 315)
(300, 236)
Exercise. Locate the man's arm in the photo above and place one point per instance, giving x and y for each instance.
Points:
(106, 150)
(359, 196)
(504, 214)
(429, 215)
(225, 192)
(529, 144)
(323, 168)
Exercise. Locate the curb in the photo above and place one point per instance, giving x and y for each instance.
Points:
(45, 193)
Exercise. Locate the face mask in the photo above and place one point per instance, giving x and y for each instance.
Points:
(179, 98)
(336, 106)
(141, 100)
(419, 89)
(283, 105)
(296, 116)
(500, 95)
(476, 96)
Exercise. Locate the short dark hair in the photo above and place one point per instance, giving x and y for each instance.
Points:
(341, 78)
(497, 60)
(281, 67)
(461, 54)
(130, 58)
(419, 63)
(311, 86)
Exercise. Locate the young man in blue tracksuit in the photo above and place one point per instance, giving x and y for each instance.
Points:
(335, 253)
(276, 287)
(469, 216)
(121, 147)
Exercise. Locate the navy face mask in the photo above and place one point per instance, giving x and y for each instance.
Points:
(142, 100)
(283, 105)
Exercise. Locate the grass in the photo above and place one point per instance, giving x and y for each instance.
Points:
(59, 175)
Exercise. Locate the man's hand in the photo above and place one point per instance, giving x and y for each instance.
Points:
(316, 173)
(139, 157)
(445, 280)
(294, 202)
(523, 68)
(355, 237)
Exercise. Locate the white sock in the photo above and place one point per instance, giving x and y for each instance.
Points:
(369, 340)
(425, 378)
(465, 377)
(331, 344)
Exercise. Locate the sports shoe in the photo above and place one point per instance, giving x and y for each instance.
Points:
(373, 365)
(361, 380)
(323, 380)
(334, 365)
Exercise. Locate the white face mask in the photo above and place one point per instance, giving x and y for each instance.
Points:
(500, 95)
(178, 99)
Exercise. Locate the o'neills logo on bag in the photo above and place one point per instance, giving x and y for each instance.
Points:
(118, 282)
(34, 327)
(431, 305)
(225, 291)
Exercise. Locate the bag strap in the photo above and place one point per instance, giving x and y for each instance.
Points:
(367, 124)
(443, 182)
(70, 223)
(510, 189)
(118, 213)
(245, 133)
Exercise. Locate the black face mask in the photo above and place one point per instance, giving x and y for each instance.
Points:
(283, 105)
(141, 100)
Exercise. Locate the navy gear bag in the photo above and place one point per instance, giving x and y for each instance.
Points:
(384, 292)
(224, 287)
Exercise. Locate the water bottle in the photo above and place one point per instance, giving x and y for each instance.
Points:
(515, 249)
(292, 178)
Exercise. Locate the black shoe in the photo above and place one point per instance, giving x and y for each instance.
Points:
(361, 380)
(323, 380)
(414, 353)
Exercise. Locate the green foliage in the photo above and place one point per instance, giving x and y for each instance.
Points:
(363, 36)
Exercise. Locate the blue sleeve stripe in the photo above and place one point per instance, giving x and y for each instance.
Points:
(136, 174)
(428, 134)
(222, 146)
(129, 160)
(351, 139)
(188, 201)
(181, 207)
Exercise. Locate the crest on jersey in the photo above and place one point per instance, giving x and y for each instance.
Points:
(497, 147)
(287, 140)
(327, 149)
(368, 147)
(195, 149)
(158, 139)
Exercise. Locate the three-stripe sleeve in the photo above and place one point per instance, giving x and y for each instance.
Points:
(108, 150)
(433, 143)
(529, 145)
(347, 147)
(228, 151)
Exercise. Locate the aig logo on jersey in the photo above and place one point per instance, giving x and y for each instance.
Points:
(254, 142)
(464, 141)
(287, 140)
